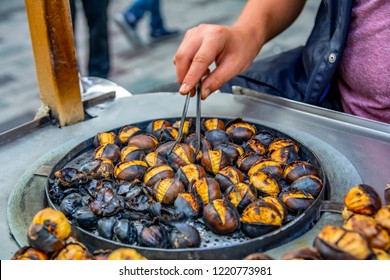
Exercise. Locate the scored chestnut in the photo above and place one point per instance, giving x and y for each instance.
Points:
(190, 172)
(132, 152)
(239, 132)
(167, 190)
(127, 131)
(157, 173)
(206, 188)
(221, 217)
(104, 138)
(108, 151)
(298, 169)
(146, 142)
(362, 199)
(228, 176)
(214, 161)
(130, 170)
(265, 184)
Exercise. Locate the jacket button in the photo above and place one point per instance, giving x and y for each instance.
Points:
(332, 58)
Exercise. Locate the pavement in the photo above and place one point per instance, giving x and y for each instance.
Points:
(140, 71)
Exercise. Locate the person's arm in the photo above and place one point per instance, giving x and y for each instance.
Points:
(232, 48)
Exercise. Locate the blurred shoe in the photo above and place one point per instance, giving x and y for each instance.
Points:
(162, 34)
(129, 29)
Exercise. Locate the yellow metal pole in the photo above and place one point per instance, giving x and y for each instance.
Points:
(55, 58)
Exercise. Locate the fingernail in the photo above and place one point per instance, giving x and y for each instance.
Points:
(205, 93)
(183, 88)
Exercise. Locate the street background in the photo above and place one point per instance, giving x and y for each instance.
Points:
(138, 70)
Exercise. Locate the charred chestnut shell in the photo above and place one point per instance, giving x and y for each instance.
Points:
(280, 143)
(264, 137)
(337, 243)
(29, 253)
(155, 127)
(260, 218)
(217, 136)
(221, 216)
(100, 168)
(70, 177)
(187, 126)
(362, 199)
(255, 146)
(184, 236)
(187, 204)
(154, 236)
(284, 155)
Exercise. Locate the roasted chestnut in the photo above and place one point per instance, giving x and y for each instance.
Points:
(267, 166)
(168, 134)
(297, 169)
(278, 204)
(308, 184)
(221, 217)
(255, 146)
(264, 137)
(260, 218)
(85, 218)
(192, 141)
(187, 204)
(184, 236)
(280, 143)
(337, 243)
(104, 138)
(70, 204)
(154, 236)
(284, 155)
(125, 254)
(231, 149)
(362, 199)
(368, 227)
(131, 152)
(155, 158)
(127, 132)
(206, 188)
(146, 142)
(108, 151)
(29, 253)
(100, 254)
(166, 190)
(211, 124)
(265, 184)
(215, 161)
(181, 155)
(105, 227)
(187, 126)
(297, 201)
(164, 148)
(155, 127)
(130, 170)
(229, 176)
(157, 173)
(246, 161)
(380, 254)
(239, 132)
(240, 195)
(217, 136)
(190, 172)
(382, 216)
(73, 251)
(48, 230)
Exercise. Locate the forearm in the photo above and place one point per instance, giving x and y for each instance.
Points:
(264, 19)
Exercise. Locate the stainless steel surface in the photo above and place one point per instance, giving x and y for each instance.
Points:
(360, 148)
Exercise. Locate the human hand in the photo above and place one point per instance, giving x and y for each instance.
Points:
(232, 49)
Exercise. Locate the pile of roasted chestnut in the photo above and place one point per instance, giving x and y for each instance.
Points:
(49, 237)
(139, 188)
(365, 234)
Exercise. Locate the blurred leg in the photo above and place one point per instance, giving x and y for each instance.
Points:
(99, 56)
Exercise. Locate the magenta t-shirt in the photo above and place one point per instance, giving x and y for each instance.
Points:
(364, 68)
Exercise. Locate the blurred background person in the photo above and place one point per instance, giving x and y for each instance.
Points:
(99, 54)
(129, 19)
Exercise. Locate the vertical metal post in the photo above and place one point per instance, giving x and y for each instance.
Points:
(55, 58)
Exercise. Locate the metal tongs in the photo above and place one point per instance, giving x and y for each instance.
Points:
(197, 120)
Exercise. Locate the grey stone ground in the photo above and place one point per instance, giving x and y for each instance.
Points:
(139, 71)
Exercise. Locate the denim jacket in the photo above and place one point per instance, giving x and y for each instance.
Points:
(305, 74)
